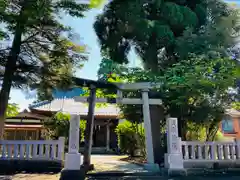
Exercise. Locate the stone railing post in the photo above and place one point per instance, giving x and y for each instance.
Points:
(237, 150)
(61, 148)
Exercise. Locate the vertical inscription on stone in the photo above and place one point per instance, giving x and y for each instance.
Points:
(173, 139)
(74, 134)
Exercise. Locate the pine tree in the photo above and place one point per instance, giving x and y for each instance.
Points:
(36, 49)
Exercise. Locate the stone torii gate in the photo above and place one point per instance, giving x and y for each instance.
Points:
(72, 158)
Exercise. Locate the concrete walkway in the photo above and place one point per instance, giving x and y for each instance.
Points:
(103, 163)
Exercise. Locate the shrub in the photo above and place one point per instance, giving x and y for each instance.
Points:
(58, 125)
(195, 132)
(130, 137)
(220, 137)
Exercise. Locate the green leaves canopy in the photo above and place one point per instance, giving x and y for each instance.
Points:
(46, 54)
(12, 110)
(58, 125)
(155, 29)
(144, 24)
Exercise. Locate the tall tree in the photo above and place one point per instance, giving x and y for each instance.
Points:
(39, 52)
(110, 69)
(152, 28)
(163, 34)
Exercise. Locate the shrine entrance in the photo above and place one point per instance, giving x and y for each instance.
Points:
(72, 158)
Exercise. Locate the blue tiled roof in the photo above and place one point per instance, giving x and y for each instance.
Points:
(68, 105)
(35, 105)
(58, 94)
(63, 101)
(67, 94)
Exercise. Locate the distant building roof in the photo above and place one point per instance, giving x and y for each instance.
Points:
(24, 126)
(68, 105)
(233, 112)
(27, 115)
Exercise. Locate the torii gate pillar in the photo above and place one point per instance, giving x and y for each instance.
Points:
(150, 140)
(147, 127)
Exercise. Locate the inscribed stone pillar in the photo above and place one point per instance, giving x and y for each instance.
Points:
(73, 157)
(73, 146)
(174, 158)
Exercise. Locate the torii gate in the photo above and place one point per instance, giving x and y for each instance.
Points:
(73, 157)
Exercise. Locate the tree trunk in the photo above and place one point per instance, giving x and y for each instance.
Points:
(10, 68)
(212, 131)
(182, 129)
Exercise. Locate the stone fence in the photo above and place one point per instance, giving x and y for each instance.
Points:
(196, 154)
(52, 150)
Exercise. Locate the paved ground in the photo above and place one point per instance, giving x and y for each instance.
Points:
(31, 177)
(101, 163)
(107, 163)
(113, 163)
(166, 178)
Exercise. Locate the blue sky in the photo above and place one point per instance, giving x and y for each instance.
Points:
(84, 27)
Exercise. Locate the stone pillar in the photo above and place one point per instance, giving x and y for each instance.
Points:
(73, 157)
(107, 137)
(174, 157)
(148, 133)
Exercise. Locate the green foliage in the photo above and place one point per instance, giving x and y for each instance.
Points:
(42, 38)
(83, 124)
(111, 71)
(236, 105)
(196, 132)
(130, 137)
(96, 3)
(153, 28)
(41, 54)
(12, 110)
(194, 86)
(108, 71)
(58, 125)
(193, 90)
(220, 137)
(99, 94)
(196, 90)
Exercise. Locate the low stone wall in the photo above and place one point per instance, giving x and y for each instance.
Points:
(212, 165)
(29, 166)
